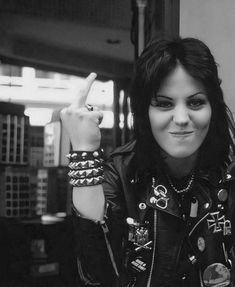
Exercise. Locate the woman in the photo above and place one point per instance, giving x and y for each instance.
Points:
(158, 212)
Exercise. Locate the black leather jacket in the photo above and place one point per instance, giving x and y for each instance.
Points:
(166, 241)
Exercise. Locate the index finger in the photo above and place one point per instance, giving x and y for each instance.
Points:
(80, 99)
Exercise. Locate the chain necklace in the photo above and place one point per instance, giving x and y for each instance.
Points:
(184, 190)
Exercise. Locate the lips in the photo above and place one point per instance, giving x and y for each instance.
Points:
(181, 133)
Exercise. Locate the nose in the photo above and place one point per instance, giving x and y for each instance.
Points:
(181, 116)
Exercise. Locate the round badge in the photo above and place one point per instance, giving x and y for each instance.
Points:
(142, 206)
(222, 194)
(201, 244)
(216, 275)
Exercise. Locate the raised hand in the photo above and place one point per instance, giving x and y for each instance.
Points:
(82, 123)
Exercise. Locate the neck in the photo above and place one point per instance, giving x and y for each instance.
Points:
(180, 167)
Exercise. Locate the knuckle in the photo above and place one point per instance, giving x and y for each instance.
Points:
(80, 114)
(68, 111)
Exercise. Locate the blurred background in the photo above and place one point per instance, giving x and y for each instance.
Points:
(46, 50)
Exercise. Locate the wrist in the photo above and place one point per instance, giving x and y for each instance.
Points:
(85, 147)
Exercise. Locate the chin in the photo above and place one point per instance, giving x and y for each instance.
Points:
(182, 154)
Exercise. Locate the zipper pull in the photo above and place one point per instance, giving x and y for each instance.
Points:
(104, 226)
(194, 208)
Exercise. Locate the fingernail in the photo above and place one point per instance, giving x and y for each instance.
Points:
(93, 74)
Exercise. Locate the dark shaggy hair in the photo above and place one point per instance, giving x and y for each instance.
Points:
(155, 63)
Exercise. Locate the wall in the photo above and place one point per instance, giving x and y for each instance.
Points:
(213, 22)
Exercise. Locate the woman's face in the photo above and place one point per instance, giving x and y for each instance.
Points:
(180, 114)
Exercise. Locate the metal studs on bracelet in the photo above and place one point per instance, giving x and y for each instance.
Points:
(85, 164)
(86, 173)
(86, 181)
(85, 155)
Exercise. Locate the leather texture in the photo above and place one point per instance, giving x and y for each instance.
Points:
(175, 238)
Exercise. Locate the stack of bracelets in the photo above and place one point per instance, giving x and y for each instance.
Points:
(86, 168)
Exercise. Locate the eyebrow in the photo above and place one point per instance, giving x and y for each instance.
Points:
(191, 96)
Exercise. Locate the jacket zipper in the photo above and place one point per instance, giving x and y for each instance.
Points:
(106, 230)
(154, 248)
(205, 216)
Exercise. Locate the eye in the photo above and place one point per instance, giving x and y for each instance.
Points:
(163, 104)
(196, 103)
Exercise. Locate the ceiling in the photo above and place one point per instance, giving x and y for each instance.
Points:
(69, 36)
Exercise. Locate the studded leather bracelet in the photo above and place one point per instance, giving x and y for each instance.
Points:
(86, 181)
(85, 173)
(85, 164)
(75, 156)
(85, 168)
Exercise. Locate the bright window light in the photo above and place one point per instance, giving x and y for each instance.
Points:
(38, 116)
(108, 120)
(41, 92)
